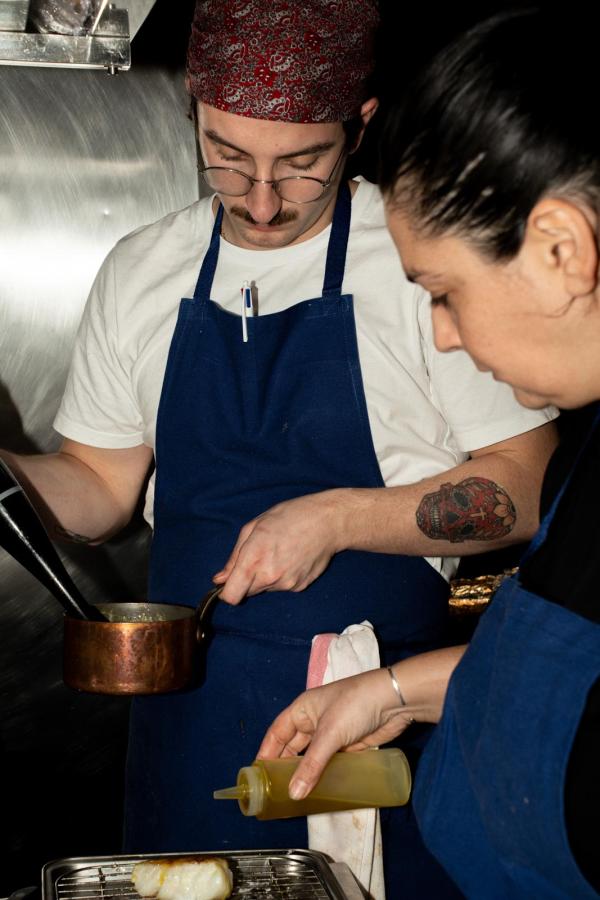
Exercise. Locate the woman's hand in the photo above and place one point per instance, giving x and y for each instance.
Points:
(358, 712)
(285, 548)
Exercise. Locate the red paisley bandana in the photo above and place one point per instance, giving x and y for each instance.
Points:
(289, 60)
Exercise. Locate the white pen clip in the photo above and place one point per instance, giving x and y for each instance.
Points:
(247, 309)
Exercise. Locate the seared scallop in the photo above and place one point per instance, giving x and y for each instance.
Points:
(183, 879)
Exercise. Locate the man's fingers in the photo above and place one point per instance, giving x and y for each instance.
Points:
(242, 537)
(239, 585)
(251, 574)
(220, 577)
(225, 572)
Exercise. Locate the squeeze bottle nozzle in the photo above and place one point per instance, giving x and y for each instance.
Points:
(239, 792)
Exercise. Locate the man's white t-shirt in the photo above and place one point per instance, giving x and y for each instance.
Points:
(426, 409)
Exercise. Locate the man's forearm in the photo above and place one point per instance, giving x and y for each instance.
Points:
(436, 518)
(495, 498)
(73, 500)
(488, 502)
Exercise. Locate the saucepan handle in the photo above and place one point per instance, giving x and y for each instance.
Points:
(204, 609)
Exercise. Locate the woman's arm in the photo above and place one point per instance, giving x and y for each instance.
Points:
(358, 712)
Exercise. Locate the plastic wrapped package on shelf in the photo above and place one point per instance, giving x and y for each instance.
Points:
(64, 16)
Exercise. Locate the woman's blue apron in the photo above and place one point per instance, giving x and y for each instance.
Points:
(241, 427)
(489, 795)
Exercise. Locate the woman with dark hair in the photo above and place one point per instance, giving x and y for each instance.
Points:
(491, 167)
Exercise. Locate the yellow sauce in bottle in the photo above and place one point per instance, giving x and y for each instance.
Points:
(350, 781)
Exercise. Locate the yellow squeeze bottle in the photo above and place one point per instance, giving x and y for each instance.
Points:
(350, 781)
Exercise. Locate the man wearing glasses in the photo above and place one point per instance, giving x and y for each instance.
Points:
(305, 431)
(261, 222)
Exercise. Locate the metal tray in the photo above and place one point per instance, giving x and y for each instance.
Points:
(264, 874)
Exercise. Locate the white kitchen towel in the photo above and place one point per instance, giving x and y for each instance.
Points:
(352, 836)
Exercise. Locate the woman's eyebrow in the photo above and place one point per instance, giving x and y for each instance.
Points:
(320, 147)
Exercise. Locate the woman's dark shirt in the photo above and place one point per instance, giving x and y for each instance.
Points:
(566, 570)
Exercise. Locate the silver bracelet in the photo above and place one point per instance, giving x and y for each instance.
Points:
(396, 686)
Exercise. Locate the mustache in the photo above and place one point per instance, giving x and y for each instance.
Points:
(281, 218)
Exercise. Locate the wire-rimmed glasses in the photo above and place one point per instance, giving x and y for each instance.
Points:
(292, 188)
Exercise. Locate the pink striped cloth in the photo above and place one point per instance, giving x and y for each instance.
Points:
(319, 660)
(352, 836)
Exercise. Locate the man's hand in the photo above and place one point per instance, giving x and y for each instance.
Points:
(285, 548)
(358, 712)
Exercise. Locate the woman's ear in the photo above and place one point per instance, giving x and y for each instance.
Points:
(367, 111)
(564, 233)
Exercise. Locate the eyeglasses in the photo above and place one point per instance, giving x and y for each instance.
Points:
(293, 188)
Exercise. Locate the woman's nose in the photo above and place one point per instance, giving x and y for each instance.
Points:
(445, 332)
(263, 203)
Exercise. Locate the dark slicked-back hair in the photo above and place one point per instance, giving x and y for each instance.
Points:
(508, 113)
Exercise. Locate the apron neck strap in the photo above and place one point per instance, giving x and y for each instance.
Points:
(209, 263)
(338, 242)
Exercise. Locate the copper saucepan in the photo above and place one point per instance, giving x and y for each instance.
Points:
(143, 648)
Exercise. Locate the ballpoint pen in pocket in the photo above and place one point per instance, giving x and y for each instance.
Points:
(247, 309)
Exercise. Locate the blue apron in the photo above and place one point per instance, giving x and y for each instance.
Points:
(241, 427)
(489, 795)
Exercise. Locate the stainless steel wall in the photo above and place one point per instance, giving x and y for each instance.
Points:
(84, 158)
